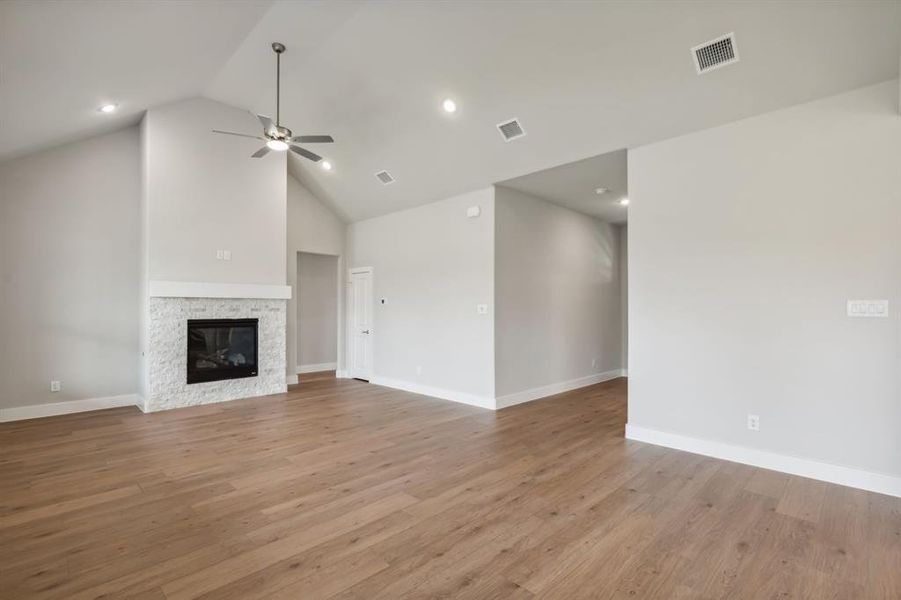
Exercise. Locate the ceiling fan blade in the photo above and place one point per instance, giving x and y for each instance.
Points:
(306, 153)
(267, 123)
(261, 152)
(256, 137)
(313, 139)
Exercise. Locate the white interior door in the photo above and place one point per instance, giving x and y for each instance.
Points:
(360, 326)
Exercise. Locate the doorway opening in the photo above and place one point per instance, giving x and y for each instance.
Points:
(318, 292)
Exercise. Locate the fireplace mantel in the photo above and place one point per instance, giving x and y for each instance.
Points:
(192, 289)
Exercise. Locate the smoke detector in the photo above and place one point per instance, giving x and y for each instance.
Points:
(716, 53)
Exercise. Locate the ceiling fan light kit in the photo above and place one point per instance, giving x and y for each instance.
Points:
(275, 136)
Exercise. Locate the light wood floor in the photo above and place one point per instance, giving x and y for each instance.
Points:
(340, 489)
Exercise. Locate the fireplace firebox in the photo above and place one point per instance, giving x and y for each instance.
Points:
(221, 349)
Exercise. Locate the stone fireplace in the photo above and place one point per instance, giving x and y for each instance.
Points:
(222, 370)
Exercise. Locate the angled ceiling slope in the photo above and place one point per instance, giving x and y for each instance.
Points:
(584, 78)
(60, 61)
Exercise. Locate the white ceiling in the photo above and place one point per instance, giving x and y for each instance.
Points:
(574, 185)
(60, 60)
(585, 78)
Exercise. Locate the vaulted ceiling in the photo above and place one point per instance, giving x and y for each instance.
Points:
(584, 78)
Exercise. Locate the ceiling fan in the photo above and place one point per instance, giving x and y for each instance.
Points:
(280, 138)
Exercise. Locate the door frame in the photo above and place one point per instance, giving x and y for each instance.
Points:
(349, 318)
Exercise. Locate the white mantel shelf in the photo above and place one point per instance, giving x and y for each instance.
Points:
(192, 289)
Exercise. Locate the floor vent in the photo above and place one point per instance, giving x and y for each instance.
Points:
(511, 130)
(385, 177)
(715, 54)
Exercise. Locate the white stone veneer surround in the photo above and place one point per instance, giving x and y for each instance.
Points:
(167, 360)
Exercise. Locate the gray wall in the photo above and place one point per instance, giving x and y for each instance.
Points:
(312, 227)
(434, 266)
(317, 309)
(69, 276)
(746, 241)
(205, 193)
(557, 294)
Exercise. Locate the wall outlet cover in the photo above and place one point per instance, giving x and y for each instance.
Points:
(754, 422)
(473, 211)
(55, 386)
(482, 309)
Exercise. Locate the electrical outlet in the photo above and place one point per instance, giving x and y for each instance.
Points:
(55, 386)
(418, 370)
(754, 422)
(482, 309)
(594, 363)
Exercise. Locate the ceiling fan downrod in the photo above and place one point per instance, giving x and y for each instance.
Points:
(278, 47)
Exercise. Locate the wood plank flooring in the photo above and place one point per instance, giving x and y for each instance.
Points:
(345, 490)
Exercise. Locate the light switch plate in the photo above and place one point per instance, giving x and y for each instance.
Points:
(473, 211)
(227, 254)
(868, 308)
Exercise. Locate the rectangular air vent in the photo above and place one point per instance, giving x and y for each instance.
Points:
(511, 130)
(385, 177)
(715, 54)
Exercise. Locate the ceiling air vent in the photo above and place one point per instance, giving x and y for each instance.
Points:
(385, 177)
(511, 130)
(715, 54)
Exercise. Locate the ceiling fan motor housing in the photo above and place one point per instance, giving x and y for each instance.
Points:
(280, 133)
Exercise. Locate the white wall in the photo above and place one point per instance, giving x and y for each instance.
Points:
(624, 292)
(317, 309)
(313, 228)
(746, 241)
(69, 276)
(557, 294)
(434, 266)
(205, 193)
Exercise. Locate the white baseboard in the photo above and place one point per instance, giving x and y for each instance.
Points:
(556, 388)
(301, 369)
(20, 413)
(864, 480)
(291, 379)
(416, 388)
(341, 374)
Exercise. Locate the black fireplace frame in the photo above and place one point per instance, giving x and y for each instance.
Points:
(224, 373)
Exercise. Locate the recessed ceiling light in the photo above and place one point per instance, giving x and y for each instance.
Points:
(624, 202)
(449, 106)
(601, 190)
(277, 145)
(108, 108)
(326, 165)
